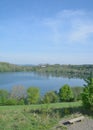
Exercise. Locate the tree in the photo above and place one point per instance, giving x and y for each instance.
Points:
(18, 95)
(77, 92)
(3, 97)
(50, 97)
(18, 92)
(65, 93)
(87, 95)
(33, 95)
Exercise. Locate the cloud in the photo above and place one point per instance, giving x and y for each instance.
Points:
(70, 26)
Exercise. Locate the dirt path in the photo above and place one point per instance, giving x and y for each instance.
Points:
(86, 124)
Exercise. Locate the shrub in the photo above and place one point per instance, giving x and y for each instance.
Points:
(50, 97)
(11, 101)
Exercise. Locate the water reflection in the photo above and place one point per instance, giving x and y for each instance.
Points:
(45, 81)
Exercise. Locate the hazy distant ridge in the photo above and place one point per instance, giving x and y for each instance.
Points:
(46, 68)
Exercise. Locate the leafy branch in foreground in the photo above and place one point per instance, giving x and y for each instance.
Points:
(87, 95)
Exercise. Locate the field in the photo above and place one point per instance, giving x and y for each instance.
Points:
(34, 117)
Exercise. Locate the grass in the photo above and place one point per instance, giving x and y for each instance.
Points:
(39, 106)
(22, 117)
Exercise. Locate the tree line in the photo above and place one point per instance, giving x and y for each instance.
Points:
(81, 71)
(20, 96)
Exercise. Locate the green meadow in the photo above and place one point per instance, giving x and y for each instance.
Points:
(34, 117)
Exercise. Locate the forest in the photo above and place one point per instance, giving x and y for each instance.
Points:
(80, 71)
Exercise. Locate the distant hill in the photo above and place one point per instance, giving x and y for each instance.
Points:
(7, 67)
(28, 65)
(81, 71)
(56, 69)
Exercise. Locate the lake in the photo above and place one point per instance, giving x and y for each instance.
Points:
(44, 82)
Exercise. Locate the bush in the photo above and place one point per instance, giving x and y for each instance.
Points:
(11, 101)
(50, 97)
(20, 102)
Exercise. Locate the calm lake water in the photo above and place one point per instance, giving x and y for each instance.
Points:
(27, 79)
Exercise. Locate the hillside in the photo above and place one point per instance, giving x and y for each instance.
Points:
(34, 117)
(54, 70)
(7, 67)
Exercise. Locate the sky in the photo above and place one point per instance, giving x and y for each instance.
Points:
(46, 31)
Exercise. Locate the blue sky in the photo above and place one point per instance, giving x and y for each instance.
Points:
(46, 31)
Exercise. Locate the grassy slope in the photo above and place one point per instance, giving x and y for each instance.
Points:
(21, 117)
(52, 105)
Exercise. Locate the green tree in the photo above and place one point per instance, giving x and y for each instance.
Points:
(77, 92)
(50, 97)
(3, 97)
(65, 93)
(33, 95)
(87, 95)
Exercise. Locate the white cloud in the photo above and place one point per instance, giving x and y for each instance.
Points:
(70, 26)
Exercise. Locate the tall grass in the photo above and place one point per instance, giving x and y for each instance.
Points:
(33, 117)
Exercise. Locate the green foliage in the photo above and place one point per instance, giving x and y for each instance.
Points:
(65, 93)
(11, 101)
(70, 71)
(7, 67)
(3, 97)
(34, 117)
(77, 92)
(20, 102)
(19, 96)
(33, 95)
(26, 120)
(42, 106)
(18, 92)
(50, 97)
(87, 95)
